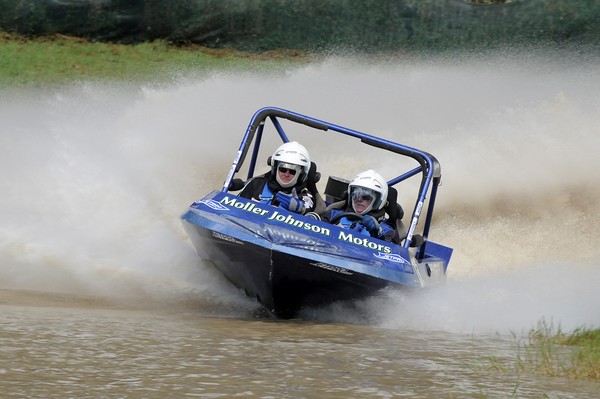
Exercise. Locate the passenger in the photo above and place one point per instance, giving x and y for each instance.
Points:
(364, 210)
(286, 184)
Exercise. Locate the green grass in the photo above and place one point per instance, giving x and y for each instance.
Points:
(61, 59)
(585, 357)
(551, 352)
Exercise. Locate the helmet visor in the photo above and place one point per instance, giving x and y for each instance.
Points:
(289, 168)
(363, 194)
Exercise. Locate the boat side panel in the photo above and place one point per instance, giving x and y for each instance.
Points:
(439, 251)
(247, 266)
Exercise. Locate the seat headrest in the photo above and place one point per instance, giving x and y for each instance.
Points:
(313, 174)
(392, 196)
(392, 208)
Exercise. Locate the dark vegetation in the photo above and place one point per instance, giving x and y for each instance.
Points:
(313, 25)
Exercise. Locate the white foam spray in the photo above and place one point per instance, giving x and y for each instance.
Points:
(95, 176)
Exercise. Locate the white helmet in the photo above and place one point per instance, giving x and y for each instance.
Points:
(291, 153)
(374, 184)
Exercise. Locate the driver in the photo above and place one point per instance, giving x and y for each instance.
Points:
(364, 211)
(286, 184)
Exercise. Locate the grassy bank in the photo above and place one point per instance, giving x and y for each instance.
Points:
(555, 353)
(61, 59)
(551, 352)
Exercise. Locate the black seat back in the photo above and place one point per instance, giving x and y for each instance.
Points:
(311, 184)
(394, 211)
(313, 178)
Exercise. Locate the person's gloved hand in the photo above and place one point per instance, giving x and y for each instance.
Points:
(290, 202)
(372, 226)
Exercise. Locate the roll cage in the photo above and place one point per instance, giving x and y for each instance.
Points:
(429, 167)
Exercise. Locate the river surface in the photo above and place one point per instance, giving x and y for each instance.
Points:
(103, 296)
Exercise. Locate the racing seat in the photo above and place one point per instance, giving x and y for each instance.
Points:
(311, 183)
(392, 207)
(336, 193)
(395, 212)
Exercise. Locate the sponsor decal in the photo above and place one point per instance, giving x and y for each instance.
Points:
(415, 219)
(392, 257)
(214, 205)
(332, 268)
(273, 214)
(224, 237)
(232, 170)
(419, 207)
(364, 241)
(292, 221)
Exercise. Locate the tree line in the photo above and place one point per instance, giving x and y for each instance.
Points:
(312, 25)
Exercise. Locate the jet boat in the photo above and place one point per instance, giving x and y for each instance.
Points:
(289, 261)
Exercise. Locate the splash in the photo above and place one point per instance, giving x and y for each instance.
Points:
(95, 176)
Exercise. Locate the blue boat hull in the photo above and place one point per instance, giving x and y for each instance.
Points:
(288, 261)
